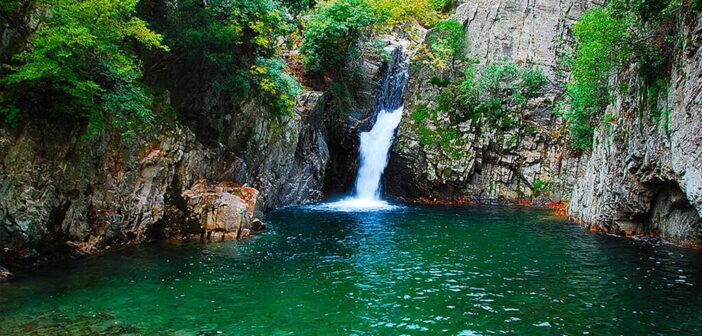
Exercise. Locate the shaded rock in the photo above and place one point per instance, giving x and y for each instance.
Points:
(257, 225)
(5, 274)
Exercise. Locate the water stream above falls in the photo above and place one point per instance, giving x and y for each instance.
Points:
(409, 271)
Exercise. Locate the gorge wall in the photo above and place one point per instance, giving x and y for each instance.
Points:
(206, 174)
(645, 172)
(486, 162)
(641, 177)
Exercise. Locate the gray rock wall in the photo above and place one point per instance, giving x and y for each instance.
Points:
(644, 177)
(63, 193)
(491, 163)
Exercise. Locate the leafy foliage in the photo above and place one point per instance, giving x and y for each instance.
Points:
(395, 12)
(335, 31)
(502, 85)
(493, 94)
(445, 45)
(237, 41)
(600, 46)
(277, 87)
(82, 64)
(608, 37)
(332, 34)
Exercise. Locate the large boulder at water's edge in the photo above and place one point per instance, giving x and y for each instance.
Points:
(222, 212)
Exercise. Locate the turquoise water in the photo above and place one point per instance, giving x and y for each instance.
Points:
(410, 271)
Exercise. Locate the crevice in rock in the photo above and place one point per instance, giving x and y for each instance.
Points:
(672, 213)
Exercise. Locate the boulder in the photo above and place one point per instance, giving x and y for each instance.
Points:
(221, 212)
(5, 274)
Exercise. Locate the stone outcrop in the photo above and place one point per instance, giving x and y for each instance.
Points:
(222, 212)
(645, 172)
(529, 160)
(65, 194)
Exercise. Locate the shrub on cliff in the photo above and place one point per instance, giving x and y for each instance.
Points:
(606, 39)
(276, 87)
(444, 47)
(601, 37)
(332, 34)
(494, 94)
(395, 12)
(503, 86)
(81, 63)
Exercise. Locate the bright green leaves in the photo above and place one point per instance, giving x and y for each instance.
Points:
(277, 87)
(606, 38)
(332, 34)
(259, 23)
(395, 12)
(445, 45)
(238, 42)
(601, 45)
(82, 58)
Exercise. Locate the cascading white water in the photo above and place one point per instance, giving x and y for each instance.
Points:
(373, 152)
(375, 145)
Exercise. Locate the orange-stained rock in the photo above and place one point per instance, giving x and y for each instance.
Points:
(221, 212)
(560, 208)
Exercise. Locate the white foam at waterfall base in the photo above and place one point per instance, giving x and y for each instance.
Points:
(374, 148)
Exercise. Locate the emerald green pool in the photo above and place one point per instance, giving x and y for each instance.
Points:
(408, 271)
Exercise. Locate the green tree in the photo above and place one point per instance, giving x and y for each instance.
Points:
(82, 63)
(332, 34)
(445, 45)
(237, 42)
(601, 45)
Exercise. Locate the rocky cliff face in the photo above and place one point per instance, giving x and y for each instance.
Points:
(645, 172)
(530, 159)
(205, 176)
(64, 194)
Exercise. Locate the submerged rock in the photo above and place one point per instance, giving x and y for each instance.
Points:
(5, 274)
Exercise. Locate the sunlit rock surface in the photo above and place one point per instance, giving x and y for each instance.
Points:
(643, 176)
(492, 164)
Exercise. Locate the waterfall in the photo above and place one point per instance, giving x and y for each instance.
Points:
(374, 148)
(375, 144)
